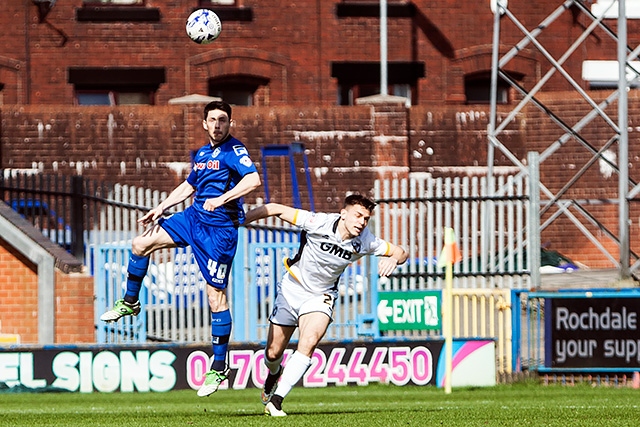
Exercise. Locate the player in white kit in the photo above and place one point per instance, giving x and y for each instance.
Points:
(306, 294)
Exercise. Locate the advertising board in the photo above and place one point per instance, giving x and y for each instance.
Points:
(584, 333)
(160, 368)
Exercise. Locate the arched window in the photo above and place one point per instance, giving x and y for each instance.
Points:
(114, 2)
(360, 79)
(477, 88)
(115, 86)
(236, 89)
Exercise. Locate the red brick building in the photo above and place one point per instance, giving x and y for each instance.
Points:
(277, 52)
(76, 78)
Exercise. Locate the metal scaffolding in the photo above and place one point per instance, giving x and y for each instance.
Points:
(558, 203)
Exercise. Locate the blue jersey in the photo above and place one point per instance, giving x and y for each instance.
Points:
(216, 171)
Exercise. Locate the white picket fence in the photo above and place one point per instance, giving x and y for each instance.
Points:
(490, 226)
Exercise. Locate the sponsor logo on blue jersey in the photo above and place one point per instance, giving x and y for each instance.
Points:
(211, 164)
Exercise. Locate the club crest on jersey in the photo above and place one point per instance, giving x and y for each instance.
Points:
(215, 152)
(356, 246)
(240, 150)
(246, 161)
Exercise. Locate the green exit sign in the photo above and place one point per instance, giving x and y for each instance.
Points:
(411, 310)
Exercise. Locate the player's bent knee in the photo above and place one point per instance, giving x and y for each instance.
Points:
(138, 247)
(272, 354)
(141, 246)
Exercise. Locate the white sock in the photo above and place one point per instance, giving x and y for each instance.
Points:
(272, 365)
(297, 364)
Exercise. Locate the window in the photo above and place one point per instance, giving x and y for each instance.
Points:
(113, 97)
(115, 2)
(117, 11)
(477, 89)
(116, 86)
(360, 79)
(368, 8)
(238, 89)
(228, 10)
(205, 3)
(609, 8)
(347, 94)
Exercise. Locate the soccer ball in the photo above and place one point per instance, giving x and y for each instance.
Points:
(203, 26)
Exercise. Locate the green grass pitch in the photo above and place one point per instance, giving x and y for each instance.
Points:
(524, 404)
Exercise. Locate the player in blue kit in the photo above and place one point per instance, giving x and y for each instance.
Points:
(223, 172)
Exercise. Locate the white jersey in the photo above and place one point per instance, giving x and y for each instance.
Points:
(323, 255)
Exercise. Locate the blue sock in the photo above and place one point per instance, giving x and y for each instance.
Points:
(220, 333)
(136, 270)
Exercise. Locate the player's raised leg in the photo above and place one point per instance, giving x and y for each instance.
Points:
(141, 247)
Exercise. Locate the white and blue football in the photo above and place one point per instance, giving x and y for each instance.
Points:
(203, 26)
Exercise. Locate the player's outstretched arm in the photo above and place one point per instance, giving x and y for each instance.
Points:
(246, 185)
(180, 193)
(388, 264)
(285, 213)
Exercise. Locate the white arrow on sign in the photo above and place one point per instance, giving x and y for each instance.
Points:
(384, 311)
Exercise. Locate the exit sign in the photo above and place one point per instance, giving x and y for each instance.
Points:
(412, 310)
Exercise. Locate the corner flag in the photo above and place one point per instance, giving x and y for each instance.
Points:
(450, 252)
(450, 255)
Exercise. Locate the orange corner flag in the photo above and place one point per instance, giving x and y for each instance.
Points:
(450, 252)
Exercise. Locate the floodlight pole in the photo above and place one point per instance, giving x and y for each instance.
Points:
(384, 90)
(623, 143)
(486, 238)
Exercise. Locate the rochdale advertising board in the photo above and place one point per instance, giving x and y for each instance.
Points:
(161, 368)
(592, 332)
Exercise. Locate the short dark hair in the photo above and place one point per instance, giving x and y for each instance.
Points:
(217, 105)
(358, 199)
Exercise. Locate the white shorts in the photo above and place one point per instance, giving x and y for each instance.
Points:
(293, 301)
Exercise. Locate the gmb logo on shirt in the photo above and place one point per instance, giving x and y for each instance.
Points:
(334, 249)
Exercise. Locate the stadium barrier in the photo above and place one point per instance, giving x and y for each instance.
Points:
(164, 367)
(411, 212)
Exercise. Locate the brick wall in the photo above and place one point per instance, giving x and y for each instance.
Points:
(290, 44)
(151, 146)
(74, 308)
(347, 149)
(19, 301)
(597, 182)
(18, 295)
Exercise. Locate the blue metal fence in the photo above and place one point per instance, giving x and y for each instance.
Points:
(175, 306)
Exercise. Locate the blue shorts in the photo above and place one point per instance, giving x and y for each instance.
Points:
(213, 247)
